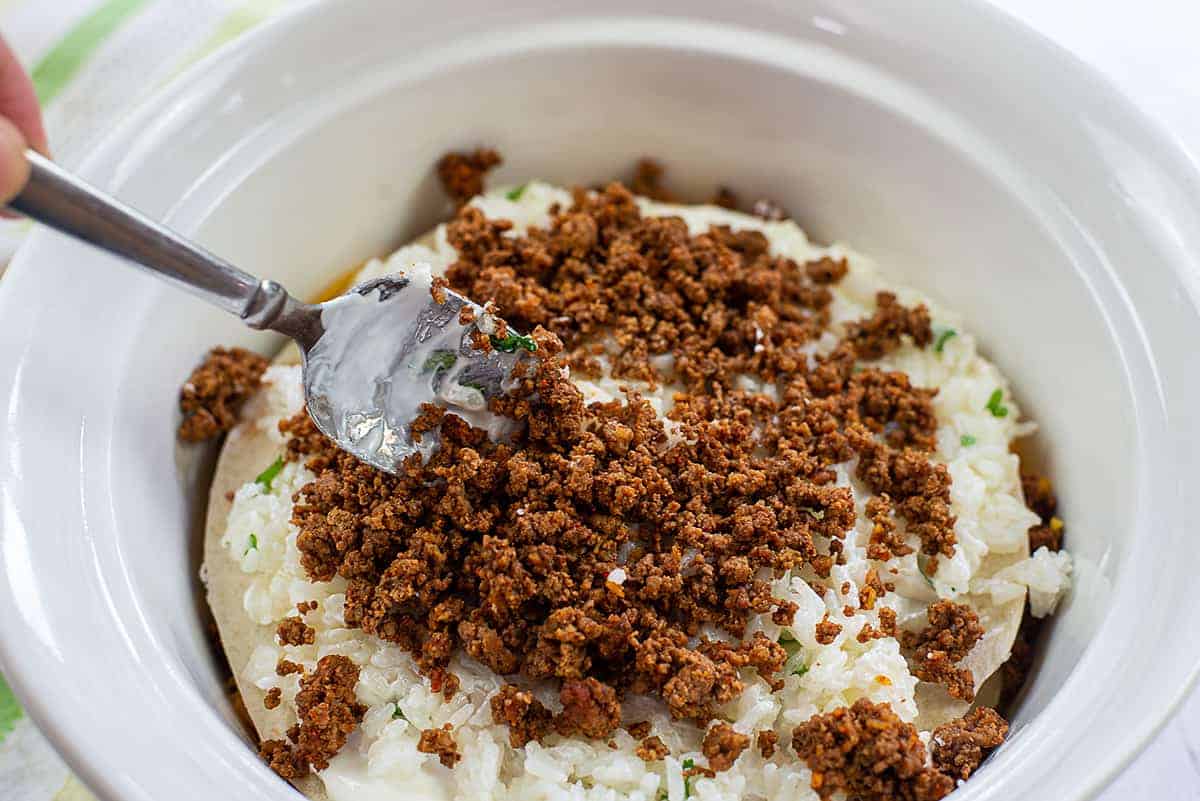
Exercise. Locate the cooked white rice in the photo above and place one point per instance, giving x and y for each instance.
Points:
(381, 760)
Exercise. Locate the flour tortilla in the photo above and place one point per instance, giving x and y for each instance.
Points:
(248, 448)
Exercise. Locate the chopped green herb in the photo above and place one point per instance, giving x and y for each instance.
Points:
(943, 335)
(789, 644)
(800, 670)
(994, 404)
(473, 385)
(439, 360)
(251, 544)
(511, 342)
(924, 575)
(966, 440)
(516, 192)
(10, 710)
(397, 714)
(267, 476)
(688, 764)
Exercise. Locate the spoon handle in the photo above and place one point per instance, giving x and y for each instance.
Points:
(56, 198)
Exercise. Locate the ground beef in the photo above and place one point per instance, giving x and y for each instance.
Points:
(328, 712)
(283, 758)
(961, 745)
(722, 746)
(1039, 496)
(827, 630)
(526, 717)
(590, 708)
(286, 668)
(215, 391)
(273, 698)
(868, 753)
(952, 632)
(462, 174)
(639, 730)
(504, 550)
(441, 742)
(884, 331)
(647, 181)
(652, 749)
(294, 631)
(767, 742)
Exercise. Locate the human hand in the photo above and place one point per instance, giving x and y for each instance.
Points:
(20, 124)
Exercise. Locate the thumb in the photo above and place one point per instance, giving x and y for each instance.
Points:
(14, 169)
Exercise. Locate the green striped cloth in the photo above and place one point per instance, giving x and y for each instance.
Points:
(90, 61)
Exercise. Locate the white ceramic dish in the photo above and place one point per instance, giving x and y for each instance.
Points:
(976, 160)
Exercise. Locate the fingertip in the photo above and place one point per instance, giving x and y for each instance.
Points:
(14, 168)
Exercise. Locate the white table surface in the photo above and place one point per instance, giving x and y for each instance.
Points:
(1151, 50)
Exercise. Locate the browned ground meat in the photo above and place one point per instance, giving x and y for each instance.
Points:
(952, 632)
(767, 742)
(639, 730)
(215, 391)
(328, 713)
(722, 746)
(294, 631)
(652, 749)
(869, 754)
(960, 745)
(827, 630)
(1039, 496)
(441, 742)
(526, 717)
(462, 174)
(504, 550)
(590, 707)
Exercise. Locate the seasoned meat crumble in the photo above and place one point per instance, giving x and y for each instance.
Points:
(611, 550)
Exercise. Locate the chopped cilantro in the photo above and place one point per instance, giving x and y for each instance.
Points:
(251, 544)
(516, 192)
(789, 644)
(800, 670)
(995, 405)
(688, 764)
(397, 714)
(924, 575)
(267, 476)
(966, 440)
(10, 710)
(439, 360)
(511, 342)
(473, 385)
(943, 335)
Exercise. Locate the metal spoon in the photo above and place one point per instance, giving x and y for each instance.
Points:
(371, 357)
